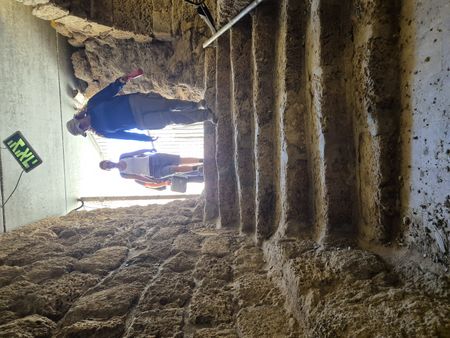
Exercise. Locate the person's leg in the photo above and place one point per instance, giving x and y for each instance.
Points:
(183, 168)
(187, 116)
(172, 169)
(162, 164)
(189, 160)
(153, 111)
(174, 104)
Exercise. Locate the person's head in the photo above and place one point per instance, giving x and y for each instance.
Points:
(107, 165)
(78, 126)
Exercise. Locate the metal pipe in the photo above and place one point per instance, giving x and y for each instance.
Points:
(232, 22)
(135, 198)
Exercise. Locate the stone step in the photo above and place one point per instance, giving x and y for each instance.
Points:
(290, 106)
(376, 115)
(162, 22)
(211, 210)
(329, 122)
(263, 54)
(243, 121)
(225, 148)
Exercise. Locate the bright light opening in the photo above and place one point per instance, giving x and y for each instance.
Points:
(186, 141)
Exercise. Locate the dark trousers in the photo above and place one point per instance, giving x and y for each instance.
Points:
(152, 111)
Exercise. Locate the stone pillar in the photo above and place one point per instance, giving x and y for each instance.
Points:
(228, 207)
(243, 120)
(263, 51)
(290, 104)
(376, 115)
(331, 151)
(210, 168)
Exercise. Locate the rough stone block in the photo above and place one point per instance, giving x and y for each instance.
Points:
(218, 246)
(49, 12)
(30, 326)
(162, 19)
(211, 307)
(103, 260)
(275, 323)
(80, 25)
(104, 304)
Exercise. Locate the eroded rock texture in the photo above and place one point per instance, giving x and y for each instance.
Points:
(340, 124)
(137, 272)
(161, 37)
(158, 271)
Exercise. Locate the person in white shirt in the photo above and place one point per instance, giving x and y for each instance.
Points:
(145, 166)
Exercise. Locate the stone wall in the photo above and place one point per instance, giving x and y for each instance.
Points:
(350, 124)
(114, 37)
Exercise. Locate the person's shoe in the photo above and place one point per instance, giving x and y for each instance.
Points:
(202, 105)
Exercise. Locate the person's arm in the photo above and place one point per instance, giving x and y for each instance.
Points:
(136, 153)
(123, 135)
(112, 89)
(107, 93)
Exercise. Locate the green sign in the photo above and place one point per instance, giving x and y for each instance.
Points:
(22, 151)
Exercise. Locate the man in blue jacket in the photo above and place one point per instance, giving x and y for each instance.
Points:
(111, 115)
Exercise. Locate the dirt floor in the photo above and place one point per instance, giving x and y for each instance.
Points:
(158, 271)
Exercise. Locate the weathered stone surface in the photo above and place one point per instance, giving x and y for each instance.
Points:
(263, 59)
(42, 250)
(162, 22)
(58, 295)
(275, 323)
(213, 268)
(180, 262)
(49, 12)
(243, 120)
(216, 245)
(116, 301)
(169, 290)
(343, 290)
(136, 273)
(252, 290)
(157, 323)
(166, 293)
(227, 188)
(188, 243)
(33, 2)
(211, 307)
(248, 259)
(30, 326)
(9, 273)
(132, 26)
(103, 260)
(221, 333)
(49, 269)
(167, 233)
(112, 328)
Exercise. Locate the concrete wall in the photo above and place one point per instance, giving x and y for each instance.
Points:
(425, 126)
(35, 94)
